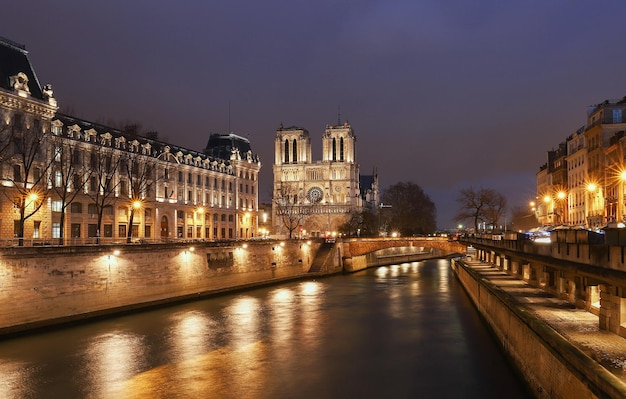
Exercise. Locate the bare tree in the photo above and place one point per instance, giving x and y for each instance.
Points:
(69, 175)
(496, 207)
(102, 185)
(26, 154)
(139, 172)
(484, 205)
(290, 207)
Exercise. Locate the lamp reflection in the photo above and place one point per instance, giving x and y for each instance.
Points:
(281, 302)
(190, 335)
(15, 377)
(311, 293)
(243, 320)
(111, 359)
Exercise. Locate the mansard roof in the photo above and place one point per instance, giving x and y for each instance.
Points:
(13, 60)
(221, 145)
(156, 148)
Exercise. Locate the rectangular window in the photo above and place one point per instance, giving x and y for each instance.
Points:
(92, 230)
(76, 207)
(180, 177)
(36, 225)
(617, 116)
(57, 206)
(230, 218)
(108, 230)
(107, 210)
(17, 173)
(56, 230)
(121, 231)
(58, 179)
(92, 209)
(189, 232)
(230, 233)
(93, 184)
(198, 231)
(75, 228)
(135, 230)
(199, 180)
(122, 212)
(123, 189)
(223, 231)
(77, 183)
(189, 178)
(57, 153)
(148, 232)
(148, 214)
(223, 217)
(76, 157)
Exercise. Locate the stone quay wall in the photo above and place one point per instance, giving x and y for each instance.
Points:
(553, 367)
(43, 286)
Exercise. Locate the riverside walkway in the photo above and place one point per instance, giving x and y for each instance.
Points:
(579, 327)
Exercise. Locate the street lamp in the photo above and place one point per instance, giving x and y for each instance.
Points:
(562, 197)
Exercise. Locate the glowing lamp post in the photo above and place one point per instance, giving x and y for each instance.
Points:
(562, 197)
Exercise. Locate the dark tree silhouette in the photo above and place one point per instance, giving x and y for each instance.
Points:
(412, 211)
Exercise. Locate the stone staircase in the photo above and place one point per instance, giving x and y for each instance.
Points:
(321, 257)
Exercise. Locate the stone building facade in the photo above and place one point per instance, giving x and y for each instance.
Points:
(593, 191)
(325, 192)
(67, 180)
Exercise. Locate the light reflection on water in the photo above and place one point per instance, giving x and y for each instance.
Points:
(110, 360)
(345, 336)
(15, 377)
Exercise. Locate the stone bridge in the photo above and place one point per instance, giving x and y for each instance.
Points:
(362, 246)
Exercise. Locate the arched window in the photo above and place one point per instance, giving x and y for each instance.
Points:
(341, 149)
(286, 160)
(334, 149)
(295, 151)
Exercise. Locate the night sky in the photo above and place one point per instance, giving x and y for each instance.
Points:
(442, 93)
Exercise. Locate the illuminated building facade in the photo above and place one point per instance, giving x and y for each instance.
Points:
(595, 161)
(64, 179)
(329, 191)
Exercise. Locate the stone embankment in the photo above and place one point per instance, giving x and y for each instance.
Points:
(559, 350)
(42, 286)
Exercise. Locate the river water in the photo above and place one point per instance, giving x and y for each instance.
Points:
(405, 331)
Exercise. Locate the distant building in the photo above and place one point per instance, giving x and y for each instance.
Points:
(327, 192)
(595, 160)
(88, 183)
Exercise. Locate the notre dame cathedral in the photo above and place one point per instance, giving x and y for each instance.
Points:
(318, 196)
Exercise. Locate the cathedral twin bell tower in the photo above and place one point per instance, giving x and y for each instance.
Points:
(325, 191)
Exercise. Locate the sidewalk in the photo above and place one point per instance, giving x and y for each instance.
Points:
(578, 326)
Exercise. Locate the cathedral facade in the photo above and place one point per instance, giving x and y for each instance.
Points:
(314, 198)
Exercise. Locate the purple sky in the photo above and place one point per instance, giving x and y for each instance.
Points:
(443, 93)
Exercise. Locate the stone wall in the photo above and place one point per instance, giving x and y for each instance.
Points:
(551, 366)
(43, 286)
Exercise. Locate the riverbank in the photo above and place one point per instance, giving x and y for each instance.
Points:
(558, 349)
(46, 287)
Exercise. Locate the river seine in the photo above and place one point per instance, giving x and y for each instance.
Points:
(404, 331)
